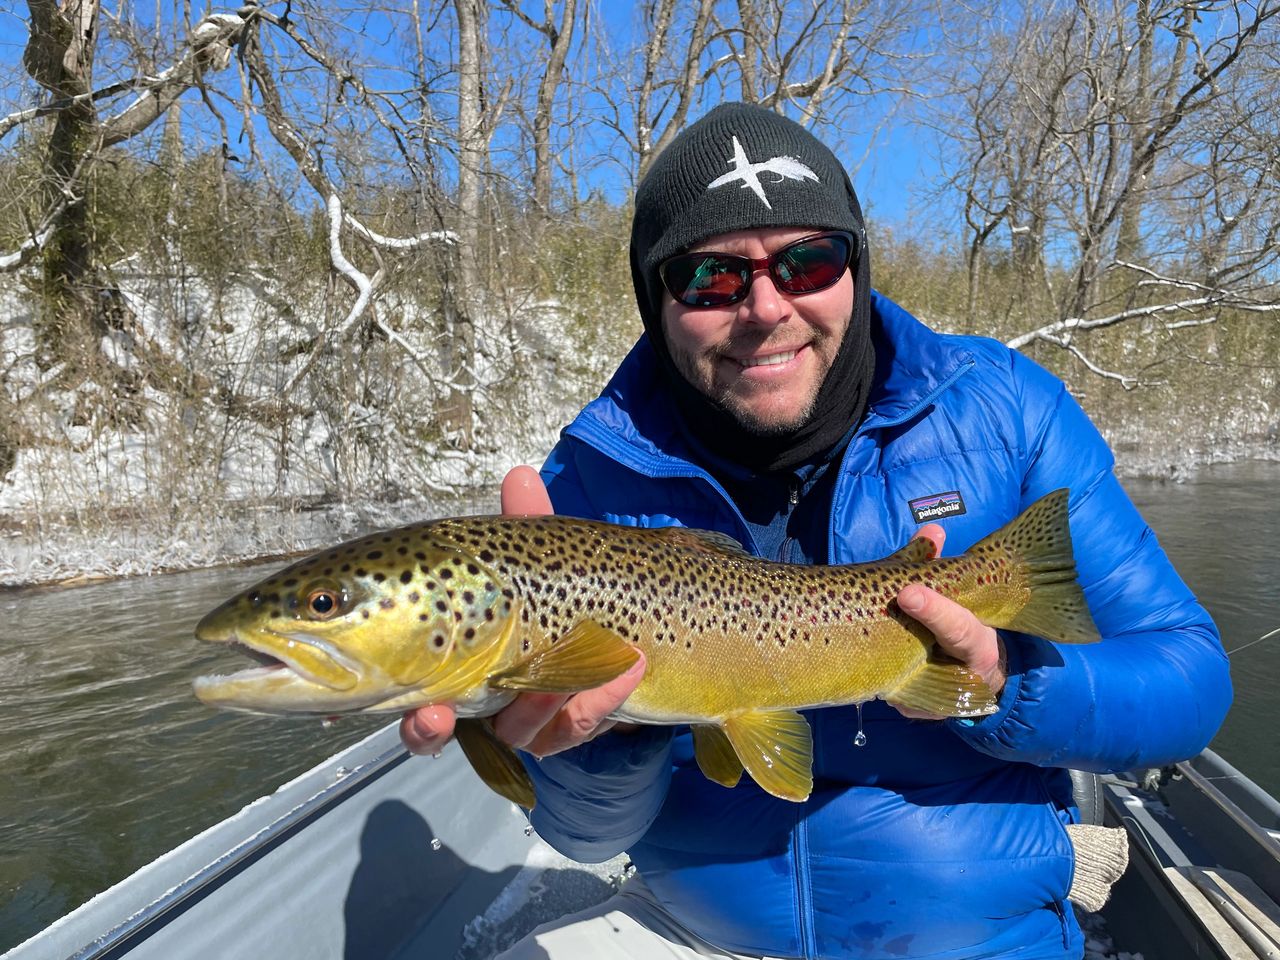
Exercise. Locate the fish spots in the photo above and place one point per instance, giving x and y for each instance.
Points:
(406, 577)
(373, 555)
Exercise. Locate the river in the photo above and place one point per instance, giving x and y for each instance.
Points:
(109, 761)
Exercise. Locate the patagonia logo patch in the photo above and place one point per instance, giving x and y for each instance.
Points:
(937, 506)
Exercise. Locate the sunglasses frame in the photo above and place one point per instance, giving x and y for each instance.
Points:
(768, 264)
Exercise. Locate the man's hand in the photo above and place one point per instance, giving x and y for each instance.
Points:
(958, 632)
(539, 723)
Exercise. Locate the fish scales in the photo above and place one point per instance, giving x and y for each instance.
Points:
(470, 611)
(795, 636)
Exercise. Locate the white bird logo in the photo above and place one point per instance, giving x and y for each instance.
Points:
(785, 168)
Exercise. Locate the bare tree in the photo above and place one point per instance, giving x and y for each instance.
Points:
(559, 37)
(60, 57)
(1080, 122)
(803, 56)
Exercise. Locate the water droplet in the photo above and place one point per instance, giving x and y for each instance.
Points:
(528, 830)
(859, 738)
(436, 845)
(341, 772)
(328, 722)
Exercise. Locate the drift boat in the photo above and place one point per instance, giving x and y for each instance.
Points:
(374, 855)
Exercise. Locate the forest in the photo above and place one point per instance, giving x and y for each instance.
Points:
(269, 262)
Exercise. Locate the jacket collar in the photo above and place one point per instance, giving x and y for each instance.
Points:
(634, 419)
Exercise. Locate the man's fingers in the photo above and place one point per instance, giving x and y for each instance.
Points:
(523, 493)
(958, 632)
(935, 534)
(426, 729)
(519, 722)
(584, 715)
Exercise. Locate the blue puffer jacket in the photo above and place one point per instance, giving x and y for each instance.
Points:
(935, 839)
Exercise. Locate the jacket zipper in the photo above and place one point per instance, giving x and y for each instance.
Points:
(804, 895)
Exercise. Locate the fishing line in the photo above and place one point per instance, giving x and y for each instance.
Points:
(1254, 642)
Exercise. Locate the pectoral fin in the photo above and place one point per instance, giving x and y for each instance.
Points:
(944, 688)
(715, 755)
(495, 762)
(585, 657)
(776, 748)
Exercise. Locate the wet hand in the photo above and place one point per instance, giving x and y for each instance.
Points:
(539, 723)
(958, 632)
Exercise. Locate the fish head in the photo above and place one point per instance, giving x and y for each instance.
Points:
(385, 622)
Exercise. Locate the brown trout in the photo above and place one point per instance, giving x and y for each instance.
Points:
(472, 611)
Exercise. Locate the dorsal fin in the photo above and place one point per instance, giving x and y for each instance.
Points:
(918, 550)
(705, 540)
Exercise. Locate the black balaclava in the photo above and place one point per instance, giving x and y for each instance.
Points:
(677, 206)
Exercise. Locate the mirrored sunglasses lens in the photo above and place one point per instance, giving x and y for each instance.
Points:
(704, 281)
(812, 264)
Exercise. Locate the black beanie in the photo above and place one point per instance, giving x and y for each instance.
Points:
(743, 167)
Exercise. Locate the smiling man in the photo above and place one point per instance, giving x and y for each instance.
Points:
(776, 398)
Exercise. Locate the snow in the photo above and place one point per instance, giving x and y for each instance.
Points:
(133, 474)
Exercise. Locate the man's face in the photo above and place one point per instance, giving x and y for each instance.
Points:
(764, 357)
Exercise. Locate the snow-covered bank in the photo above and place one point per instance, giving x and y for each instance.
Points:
(65, 551)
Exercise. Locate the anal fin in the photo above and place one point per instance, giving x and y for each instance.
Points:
(946, 689)
(715, 755)
(494, 762)
(776, 748)
(585, 657)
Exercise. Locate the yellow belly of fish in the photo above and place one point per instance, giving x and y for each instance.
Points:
(719, 675)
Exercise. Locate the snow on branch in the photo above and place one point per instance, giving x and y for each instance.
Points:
(401, 243)
(212, 41)
(362, 283)
(29, 248)
(1219, 299)
(36, 242)
(1126, 381)
(1214, 299)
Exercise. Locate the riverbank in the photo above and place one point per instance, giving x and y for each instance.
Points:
(70, 549)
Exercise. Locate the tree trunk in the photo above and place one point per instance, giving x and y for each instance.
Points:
(59, 56)
(457, 416)
(560, 41)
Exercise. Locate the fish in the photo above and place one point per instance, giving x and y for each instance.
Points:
(473, 611)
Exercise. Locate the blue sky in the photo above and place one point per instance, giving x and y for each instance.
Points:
(887, 173)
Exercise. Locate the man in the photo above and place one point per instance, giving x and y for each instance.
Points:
(776, 398)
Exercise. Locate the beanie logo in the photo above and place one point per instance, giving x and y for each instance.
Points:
(784, 168)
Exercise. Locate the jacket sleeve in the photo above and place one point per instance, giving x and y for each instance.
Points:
(1156, 689)
(599, 798)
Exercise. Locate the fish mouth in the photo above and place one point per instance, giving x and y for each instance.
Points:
(293, 668)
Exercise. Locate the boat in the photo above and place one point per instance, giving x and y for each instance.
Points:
(374, 855)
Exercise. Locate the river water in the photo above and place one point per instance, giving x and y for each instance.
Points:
(109, 761)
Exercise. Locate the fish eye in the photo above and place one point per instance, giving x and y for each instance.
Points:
(323, 603)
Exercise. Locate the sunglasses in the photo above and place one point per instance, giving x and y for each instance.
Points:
(709, 279)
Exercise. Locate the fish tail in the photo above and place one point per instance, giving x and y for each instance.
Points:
(1036, 545)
